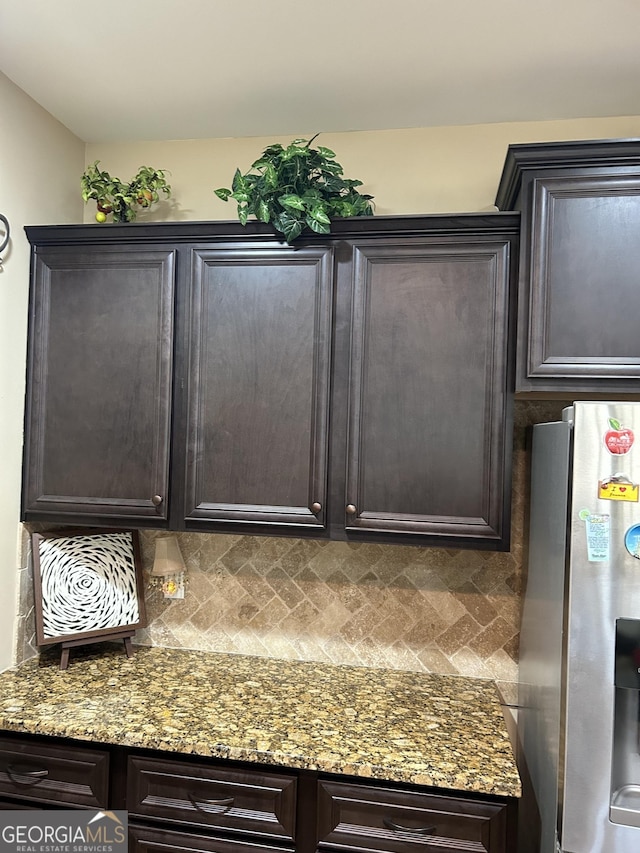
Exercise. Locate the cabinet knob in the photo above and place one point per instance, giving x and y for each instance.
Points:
(156, 500)
(351, 509)
(316, 507)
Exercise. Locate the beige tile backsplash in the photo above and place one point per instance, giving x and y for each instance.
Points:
(423, 609)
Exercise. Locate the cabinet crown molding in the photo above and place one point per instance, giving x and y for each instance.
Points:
(231, 230)
(588, 153)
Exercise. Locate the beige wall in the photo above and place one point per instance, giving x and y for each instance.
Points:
(40, 165)
(425, 170)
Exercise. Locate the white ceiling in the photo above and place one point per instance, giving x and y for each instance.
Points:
(122, 70)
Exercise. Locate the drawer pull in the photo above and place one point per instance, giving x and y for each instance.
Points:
(201, 805)
(420, 830)
(28, 773)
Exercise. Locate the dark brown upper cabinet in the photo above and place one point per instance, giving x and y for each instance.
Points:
(99, 384)
(259, 347)
(578, 292)
(428, 410)
(352, 386)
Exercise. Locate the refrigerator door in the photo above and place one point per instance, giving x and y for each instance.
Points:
(603, 586)
(541, 634)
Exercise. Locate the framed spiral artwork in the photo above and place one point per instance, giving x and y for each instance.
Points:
(88, 586)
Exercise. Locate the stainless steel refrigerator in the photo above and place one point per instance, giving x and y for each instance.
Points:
(578, 717)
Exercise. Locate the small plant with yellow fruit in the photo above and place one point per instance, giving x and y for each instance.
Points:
(121, 200)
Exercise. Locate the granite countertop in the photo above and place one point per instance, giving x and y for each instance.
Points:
(444, 731)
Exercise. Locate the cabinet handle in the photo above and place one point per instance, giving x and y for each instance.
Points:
(225, 803)
(351, 509)
(29, 773)
(316, 507)
(156, 500)
(397, 827)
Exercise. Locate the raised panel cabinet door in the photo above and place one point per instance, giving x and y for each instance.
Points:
(99, 385)
(258, 385)
(581, 299)
(429, 416)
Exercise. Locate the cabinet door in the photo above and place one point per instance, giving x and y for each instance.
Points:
(99, 385)
(429, 420)
(258, 383)
(580, 299)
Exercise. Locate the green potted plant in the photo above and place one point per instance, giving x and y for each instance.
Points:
(296, 187)
(120, 199)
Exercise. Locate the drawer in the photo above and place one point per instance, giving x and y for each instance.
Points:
(203, 795)
(60, 775)
(370, 818)
(143, 839)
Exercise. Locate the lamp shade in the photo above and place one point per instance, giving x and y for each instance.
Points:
(168, 559)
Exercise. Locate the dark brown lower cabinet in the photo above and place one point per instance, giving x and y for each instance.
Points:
(145, 839)
(200, 805)
(52, 774)
(207, 796)
(357, 817)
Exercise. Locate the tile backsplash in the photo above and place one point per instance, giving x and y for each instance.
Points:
(423, 609)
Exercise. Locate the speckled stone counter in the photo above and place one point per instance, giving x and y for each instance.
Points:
(435, 730)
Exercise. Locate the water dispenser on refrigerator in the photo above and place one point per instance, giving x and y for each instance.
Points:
(625, 765)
